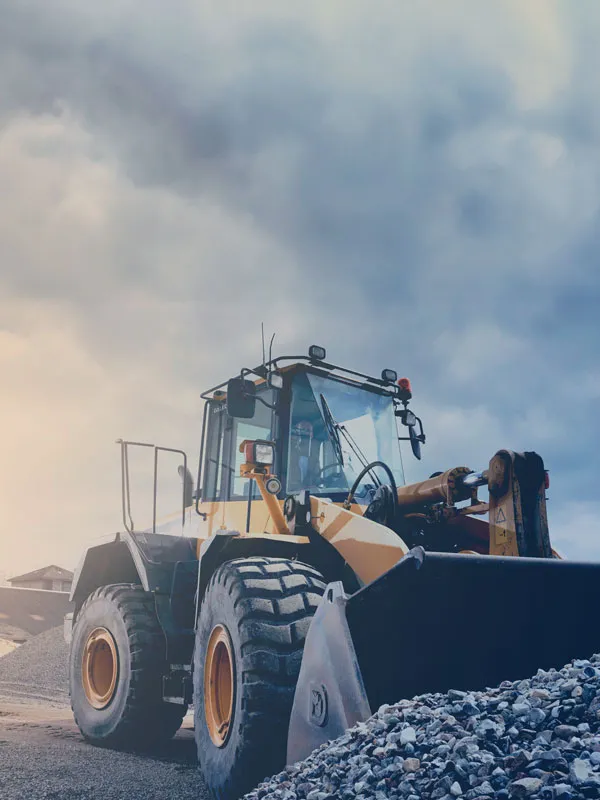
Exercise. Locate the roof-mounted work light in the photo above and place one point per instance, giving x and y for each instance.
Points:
(316, 353)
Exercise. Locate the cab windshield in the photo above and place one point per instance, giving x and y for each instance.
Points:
(335, 429)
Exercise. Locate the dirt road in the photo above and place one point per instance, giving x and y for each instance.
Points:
(42, 755)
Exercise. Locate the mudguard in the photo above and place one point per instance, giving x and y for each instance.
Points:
(111, 562)
(162, 564)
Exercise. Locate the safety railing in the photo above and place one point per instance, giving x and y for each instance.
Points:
(125, 485)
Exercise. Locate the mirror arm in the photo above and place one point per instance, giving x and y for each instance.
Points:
(273, 407)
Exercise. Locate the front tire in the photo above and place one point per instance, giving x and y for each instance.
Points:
(253, 621)
(116, 665)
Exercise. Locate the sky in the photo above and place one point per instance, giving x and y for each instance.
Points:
(412, 185)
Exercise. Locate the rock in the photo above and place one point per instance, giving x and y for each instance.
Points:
(580, 771)
(548, 755)
(565, 731)
(488, 728)
(411, 764)
(408, 736)
(536, 717)
(542, 694)
(484, 789)
(526, 786)
(562, 791)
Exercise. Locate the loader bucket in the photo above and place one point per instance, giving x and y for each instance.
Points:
(434, 622)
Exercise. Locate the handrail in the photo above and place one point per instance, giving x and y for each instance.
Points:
(125, 484)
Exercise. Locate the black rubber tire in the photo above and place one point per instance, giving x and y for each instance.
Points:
(136, 717)
(267, 605)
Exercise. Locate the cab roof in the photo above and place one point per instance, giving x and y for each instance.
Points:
(291, 364)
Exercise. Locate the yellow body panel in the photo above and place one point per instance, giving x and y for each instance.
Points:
(368, 547)
(232, 516)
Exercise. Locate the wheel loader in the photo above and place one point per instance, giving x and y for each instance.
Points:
(302, 584)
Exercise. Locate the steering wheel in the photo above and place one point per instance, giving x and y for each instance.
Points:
(384, 505)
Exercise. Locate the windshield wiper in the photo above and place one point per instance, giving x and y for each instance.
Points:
(334, 429)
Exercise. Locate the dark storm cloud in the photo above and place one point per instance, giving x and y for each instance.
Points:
(427, 198)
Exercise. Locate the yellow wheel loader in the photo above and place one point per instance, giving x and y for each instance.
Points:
(303, 584)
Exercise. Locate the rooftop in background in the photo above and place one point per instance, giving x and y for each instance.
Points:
(51, 577)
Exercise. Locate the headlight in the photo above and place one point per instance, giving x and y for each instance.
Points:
(263, 453)
(258, 452)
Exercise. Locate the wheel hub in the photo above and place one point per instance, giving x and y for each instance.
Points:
(100, 667)
(219, 685)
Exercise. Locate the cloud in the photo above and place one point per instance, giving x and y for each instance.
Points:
(575, 531)
(415, 188)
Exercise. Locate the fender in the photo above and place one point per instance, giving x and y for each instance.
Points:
(148, 559)
(112, 562)
(161, 564)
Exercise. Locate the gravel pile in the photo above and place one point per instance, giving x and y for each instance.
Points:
(537, 739)
(7, 646)
(38, 668)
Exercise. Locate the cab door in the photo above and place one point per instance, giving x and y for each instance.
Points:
(226, 496)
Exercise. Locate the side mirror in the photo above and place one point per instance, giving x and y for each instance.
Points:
(188, 486)
(241, 398)
(415, 442)
(410, 421)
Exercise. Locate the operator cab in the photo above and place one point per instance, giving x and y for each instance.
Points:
(293, 424)
(325, 424)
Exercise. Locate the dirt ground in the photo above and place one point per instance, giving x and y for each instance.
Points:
(43, 755)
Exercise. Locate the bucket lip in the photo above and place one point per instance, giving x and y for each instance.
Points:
(419, 558)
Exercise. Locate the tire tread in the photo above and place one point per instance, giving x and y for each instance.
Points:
(146, 717)
(274, 600)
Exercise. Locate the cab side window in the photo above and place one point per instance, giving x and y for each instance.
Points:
(223, 459)
(213, 459)
(259, 427)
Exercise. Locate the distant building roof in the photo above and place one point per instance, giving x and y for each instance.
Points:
(52, 572)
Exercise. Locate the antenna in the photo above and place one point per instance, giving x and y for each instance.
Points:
(271, 349)
(262, 331)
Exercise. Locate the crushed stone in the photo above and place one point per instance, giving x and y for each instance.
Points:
(38, 668)
(537, 739)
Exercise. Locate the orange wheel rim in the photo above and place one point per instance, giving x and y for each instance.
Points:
(219, 685)
(99, 668)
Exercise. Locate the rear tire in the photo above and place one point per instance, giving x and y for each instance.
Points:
(255, 615)
(117, 660)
